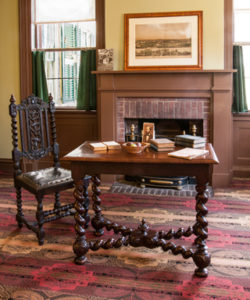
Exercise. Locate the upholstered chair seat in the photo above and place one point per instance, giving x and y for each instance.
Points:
(45, 178)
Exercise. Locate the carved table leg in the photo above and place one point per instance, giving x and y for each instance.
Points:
(86, 181)
(201, 256)
(81, 246)
(98, 220)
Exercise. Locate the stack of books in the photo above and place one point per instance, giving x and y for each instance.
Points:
(190, 141)
(162, 144)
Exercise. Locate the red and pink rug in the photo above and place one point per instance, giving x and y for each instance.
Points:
(29, 271)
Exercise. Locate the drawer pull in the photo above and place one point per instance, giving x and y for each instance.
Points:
(161, 181)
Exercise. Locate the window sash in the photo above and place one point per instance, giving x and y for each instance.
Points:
(25, 24)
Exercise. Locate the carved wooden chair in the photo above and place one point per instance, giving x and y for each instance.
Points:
(34, 121)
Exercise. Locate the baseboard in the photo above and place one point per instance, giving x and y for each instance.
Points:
(242, 172)
(221, 180)
(6, 166)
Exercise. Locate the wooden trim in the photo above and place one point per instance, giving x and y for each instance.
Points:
(64, 49)
(6, 167)
(162, 71)
(100, 24)
(228, 34)
(25, 48)
(68, 21)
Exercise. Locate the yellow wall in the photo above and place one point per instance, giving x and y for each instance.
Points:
(213, 43)
(213, 25)
(9, 69)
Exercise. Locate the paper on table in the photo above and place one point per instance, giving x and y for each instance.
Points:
(188, 153)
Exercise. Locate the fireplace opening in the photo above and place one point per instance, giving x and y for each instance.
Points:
(164, 128)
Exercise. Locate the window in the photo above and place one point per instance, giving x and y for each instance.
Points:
(61, 28)
(242, 37)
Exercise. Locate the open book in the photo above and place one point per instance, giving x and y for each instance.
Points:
(188, 153)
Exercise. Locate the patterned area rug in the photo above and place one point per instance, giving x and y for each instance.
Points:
(29, 271)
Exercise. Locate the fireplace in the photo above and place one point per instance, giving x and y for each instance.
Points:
(198, 96)
(179, 114)
(164, 128)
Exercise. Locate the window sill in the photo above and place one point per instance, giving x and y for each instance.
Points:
(72, 110)
(241, 116)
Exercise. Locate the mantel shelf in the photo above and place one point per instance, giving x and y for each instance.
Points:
(162, 71)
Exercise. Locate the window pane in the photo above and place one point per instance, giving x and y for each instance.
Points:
(64, 10)
(247, 81)
(62, 70)
(242, 23)
(246, 58)
(66, 35)
(241, 4)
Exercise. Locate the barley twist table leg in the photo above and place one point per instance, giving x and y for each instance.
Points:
(201, 256)
(98, 220)
(81, 246)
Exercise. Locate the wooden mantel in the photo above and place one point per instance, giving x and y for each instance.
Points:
(215, 85)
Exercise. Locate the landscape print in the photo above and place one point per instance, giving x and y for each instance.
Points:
(165, 40)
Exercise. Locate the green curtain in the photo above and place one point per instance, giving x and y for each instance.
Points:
(39, 83)
(239, 99)
(86, 98)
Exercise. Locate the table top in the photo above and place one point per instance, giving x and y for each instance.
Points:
(85, 153)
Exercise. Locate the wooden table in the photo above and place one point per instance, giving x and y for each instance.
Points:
(86, 162)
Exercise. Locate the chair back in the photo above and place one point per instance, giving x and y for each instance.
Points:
(33, 120)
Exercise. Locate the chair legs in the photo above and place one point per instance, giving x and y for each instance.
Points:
(40, 220)
(43, 216)
(19, 214)
(57, 202)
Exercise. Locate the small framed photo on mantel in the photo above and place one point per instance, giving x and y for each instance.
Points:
(105, 58)
(163, 41)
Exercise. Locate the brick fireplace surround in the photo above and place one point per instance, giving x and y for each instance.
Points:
(161, 108)
(205, 95)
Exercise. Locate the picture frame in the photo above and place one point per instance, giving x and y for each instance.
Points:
(163, 41)
(105, 58)
(148, 132)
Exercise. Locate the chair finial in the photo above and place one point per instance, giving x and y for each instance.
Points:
(50, 97)
(12, 99)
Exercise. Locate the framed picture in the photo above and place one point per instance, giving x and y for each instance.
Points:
(163, 41)
(148, 132)
(105, 59)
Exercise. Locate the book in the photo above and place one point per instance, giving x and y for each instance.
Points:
(190, 138)
(159, 149)
(187, 144)
(188, 153)
(162, 142)
(98, 146)
(112, 145)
